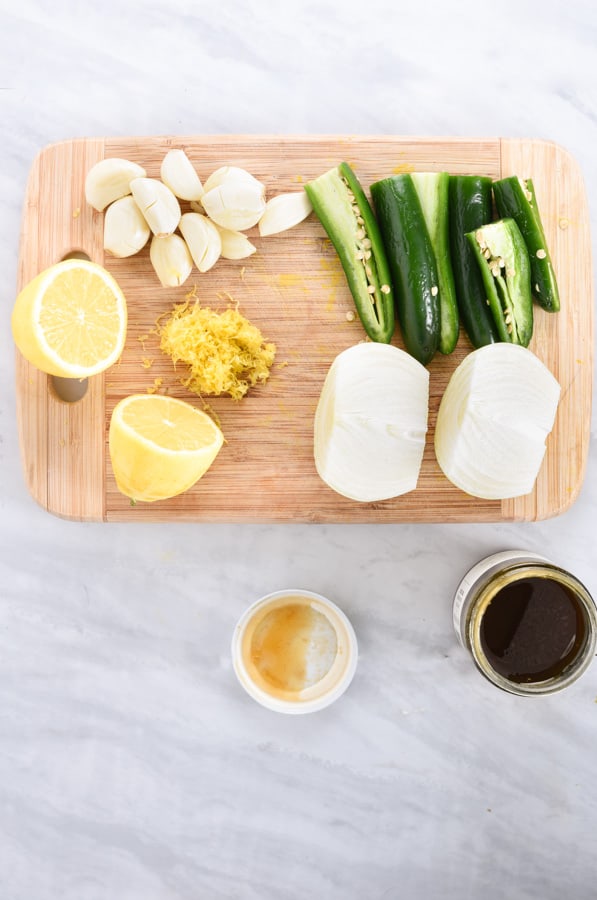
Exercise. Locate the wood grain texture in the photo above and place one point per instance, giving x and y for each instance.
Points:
(62, 444)
(293, 288)
(564, 341)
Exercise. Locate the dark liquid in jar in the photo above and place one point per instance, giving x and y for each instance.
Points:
(532, 630)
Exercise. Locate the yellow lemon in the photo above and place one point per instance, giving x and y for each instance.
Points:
(71, 319)
(160, 446)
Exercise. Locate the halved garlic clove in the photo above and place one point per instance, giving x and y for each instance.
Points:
(158, 204)
(230, 174)
(171, 259)
(109, 180)
(283, 212)
(235, 204)
(178, 173)
(125, 229)
(235, 245)
(202, 238)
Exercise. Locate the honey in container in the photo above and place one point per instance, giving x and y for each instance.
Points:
(530, 626)
(294, 651)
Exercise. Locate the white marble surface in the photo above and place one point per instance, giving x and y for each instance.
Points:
(132, 766)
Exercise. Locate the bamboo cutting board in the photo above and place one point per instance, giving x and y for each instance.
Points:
(293, 288)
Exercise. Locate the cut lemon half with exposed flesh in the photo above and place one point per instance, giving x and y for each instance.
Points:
(160, 446)
(71, 319)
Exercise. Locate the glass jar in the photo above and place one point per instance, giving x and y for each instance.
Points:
(515, 606)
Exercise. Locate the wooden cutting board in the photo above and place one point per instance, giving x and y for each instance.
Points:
(293, 288)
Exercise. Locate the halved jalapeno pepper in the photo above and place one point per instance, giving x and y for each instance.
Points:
(470, 208)
(413, 266)
(504, 262)
(344, 211)
(433, 191)
(515, 199)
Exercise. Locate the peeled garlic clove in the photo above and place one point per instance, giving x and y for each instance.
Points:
(202, 238)
(235, 245)
(109, 180)
(125, 229)
(236, 205)
(283, 212)
(171, 259)
(230, 174)
(177, 173)
(371, 421)
(158, 204)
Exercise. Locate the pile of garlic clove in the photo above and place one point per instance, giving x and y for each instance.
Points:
(230, 202)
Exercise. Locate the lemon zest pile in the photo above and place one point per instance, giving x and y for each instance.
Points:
(225, 353)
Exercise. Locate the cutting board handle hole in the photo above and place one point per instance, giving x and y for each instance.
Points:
(76, 254)
(70, 390)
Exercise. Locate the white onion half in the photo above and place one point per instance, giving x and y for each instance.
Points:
(494, 419)
(371, 421)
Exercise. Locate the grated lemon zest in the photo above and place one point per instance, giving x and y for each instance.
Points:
(157, 383)
(225, 353)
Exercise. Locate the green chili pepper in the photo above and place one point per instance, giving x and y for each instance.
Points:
(432, 189)
(412, 261)
(344, 211)
(470, 208)
(515, 199)
(504, 262)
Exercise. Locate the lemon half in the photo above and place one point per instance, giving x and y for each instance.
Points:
(160, 446)
(70, 320)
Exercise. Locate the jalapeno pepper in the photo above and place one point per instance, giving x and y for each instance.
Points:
(412, 263)
(344, 211)
(515, 199)
(504, 262)
(432, 189)
(470, 208)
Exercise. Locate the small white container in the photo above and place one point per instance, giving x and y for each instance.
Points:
(294, 651)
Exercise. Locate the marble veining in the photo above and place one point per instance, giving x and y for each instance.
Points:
(132, 765)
